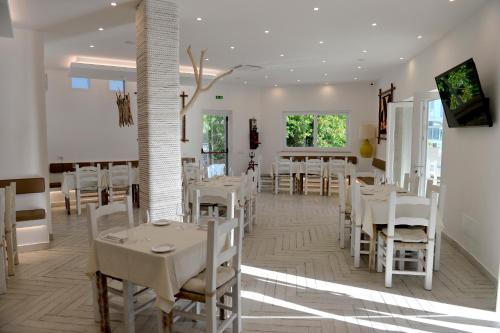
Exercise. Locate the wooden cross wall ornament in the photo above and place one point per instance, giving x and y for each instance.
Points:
(183, 96)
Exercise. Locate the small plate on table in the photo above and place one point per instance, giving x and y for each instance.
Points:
(163, 248)
(161, 223)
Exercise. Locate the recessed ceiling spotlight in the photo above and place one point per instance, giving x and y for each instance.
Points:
(401, 58)
(322, 42)
(291, 69)
(420, 37)
(327, 83)
(452, 0)
(113, 4)
(232, 47)
(282, 55)
(355, 78)
(275, 85)
(245, 82)
(206, 59)
(266, 77)
(316, 9)
(374, 24)
(323, 61)
(100, 28)
(91, 46)
(365, 51)
(266, 32)
(298, 80)
(326, 74)
(359, 67)
(199, 19)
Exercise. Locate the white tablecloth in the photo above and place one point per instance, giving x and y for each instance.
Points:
(164, 273)
(69, 180)
(226, 183)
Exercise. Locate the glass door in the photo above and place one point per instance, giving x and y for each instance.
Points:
(399, 141)
(433, 139)
(214, 150)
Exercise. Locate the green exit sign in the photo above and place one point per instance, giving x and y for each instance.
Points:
(219, 97)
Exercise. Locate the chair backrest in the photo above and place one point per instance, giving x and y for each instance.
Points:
(94, 214)
(314, 166)
(355, 174)
(411, 183)
(191, 172)
(10, 207)
(356, 204)
(336, 165)
(88, 177)
(230, 201)
(252, 179)
(245, 189)
(342, 199)
(119, 175)
(283, 166)
(217, 231)
(421, 204)
(441, 189)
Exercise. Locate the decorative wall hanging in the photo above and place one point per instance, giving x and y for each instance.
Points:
(124, 113)
(384, 98)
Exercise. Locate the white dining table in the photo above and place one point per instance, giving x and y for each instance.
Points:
(226, 183)
(134, 261)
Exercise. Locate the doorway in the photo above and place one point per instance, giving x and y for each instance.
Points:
(215, 142)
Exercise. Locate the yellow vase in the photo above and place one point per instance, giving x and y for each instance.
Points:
(366, 149)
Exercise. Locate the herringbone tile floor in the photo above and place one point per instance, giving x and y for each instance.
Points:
(296, 279)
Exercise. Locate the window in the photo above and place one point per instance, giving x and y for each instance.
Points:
(316, 130)
(116, 85)
(80, 83)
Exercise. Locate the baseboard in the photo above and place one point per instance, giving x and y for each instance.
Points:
(33, 247)
(472, 259)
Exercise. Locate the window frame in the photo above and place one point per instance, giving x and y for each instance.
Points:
(80, 77)
(347, 147)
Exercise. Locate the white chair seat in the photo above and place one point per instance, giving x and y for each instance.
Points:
(408, 235)
(197, 284)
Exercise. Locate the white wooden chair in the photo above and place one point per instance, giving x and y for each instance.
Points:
(88, 180)
(283, 176)
(217, 281)
(191, 172)
(119, 179)
(251, 200)
(313, 177)
(125, 290)
(212, 194)
(358, 237)
(334, 167)
(411, 237)
(366, 176)
(258, 171)
(441, 189)
(10, 228)
(243, 209)
(411, 183)
(344, 211)
(3, 258)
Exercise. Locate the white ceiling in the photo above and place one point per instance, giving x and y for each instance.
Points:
(295, 30)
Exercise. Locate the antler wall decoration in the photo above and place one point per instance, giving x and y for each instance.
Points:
(198, 76)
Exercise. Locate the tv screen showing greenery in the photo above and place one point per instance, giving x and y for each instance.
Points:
(462, 96)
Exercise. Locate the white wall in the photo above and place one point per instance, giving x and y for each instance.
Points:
(83, 124)
(357, 98)
(470, 158)
(23, 141)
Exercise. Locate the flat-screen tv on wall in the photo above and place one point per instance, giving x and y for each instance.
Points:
(462, 96)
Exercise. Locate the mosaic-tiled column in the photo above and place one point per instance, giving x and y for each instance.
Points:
(157, 34)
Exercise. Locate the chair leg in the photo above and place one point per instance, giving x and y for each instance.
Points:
(236, 304)
(211, 314)
(437, 253)
(168, 322)
(222, 312)
(357, 246)
(99, 196)
(342, 230)
(380, 254)
(353, 238)
(429, 261)
(389, 258)
(420, 258)
(78, 203)
(128, 307)
(95, 298)
(110, 195)
(3, 273)
(402, 256)
(10, 253)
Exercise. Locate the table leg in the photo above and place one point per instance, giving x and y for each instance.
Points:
(67, 202)
(372, 261)
(135, 194)
(102, 292)
(167, 321)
